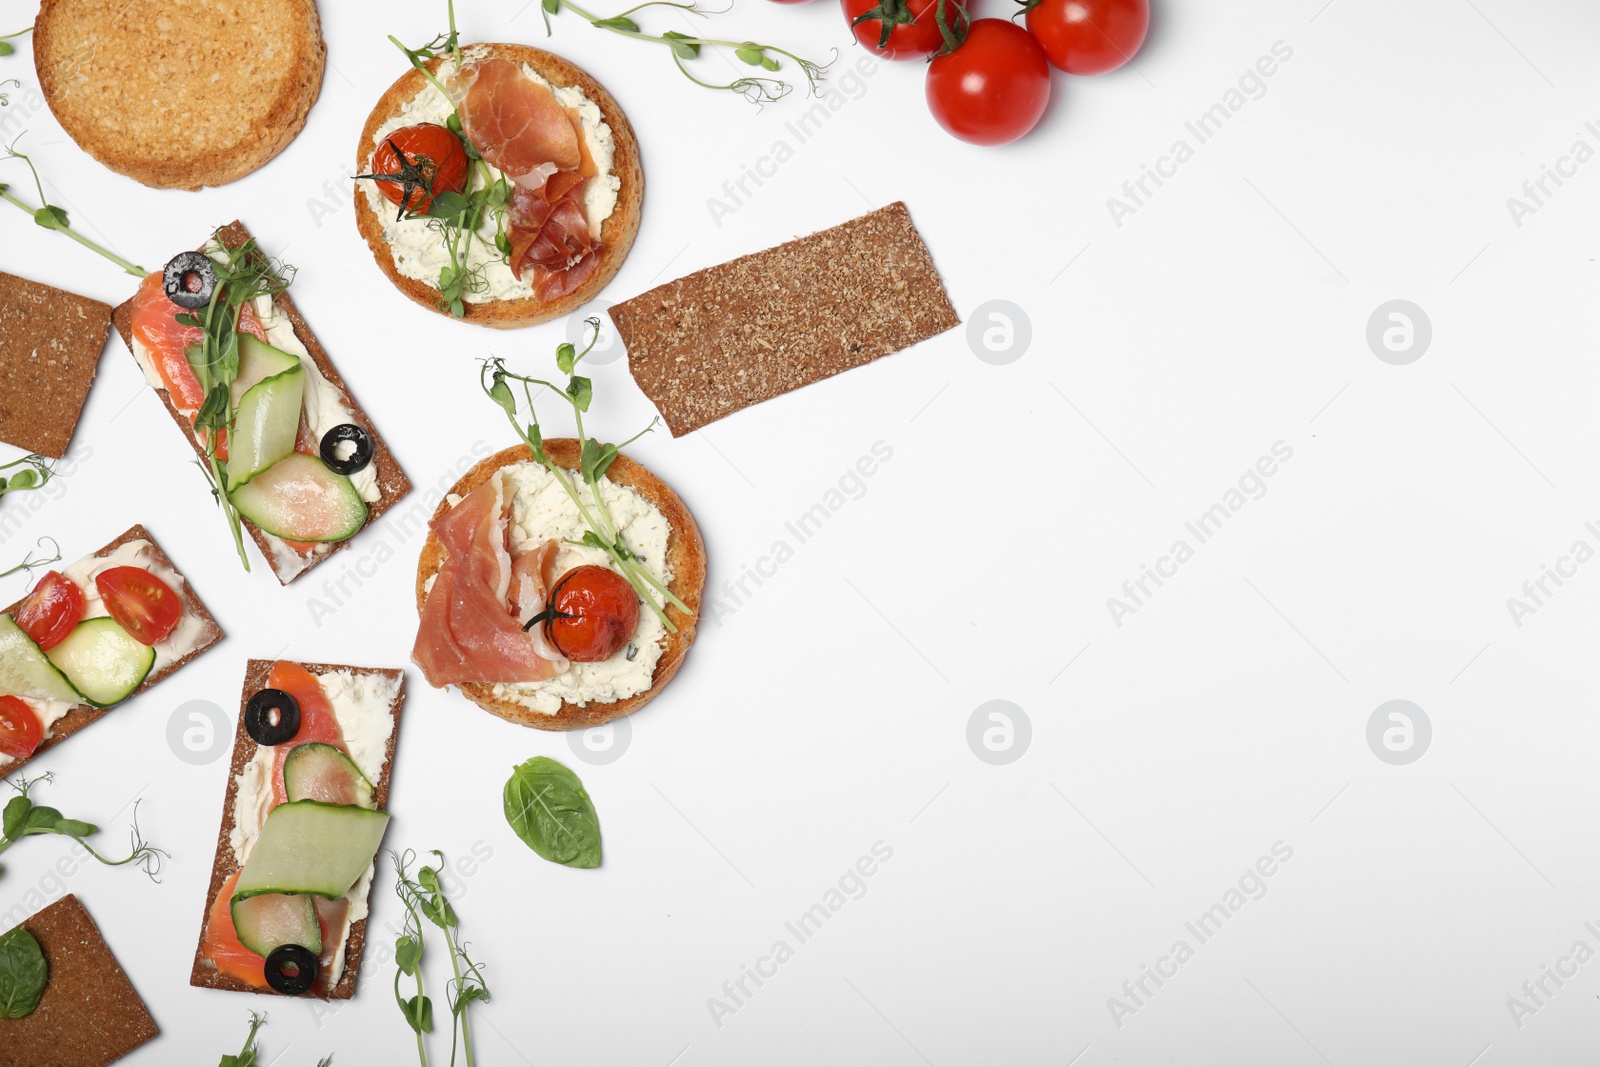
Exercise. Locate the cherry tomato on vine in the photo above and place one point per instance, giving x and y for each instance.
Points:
(51, 611)
(20, 729)
(904, 29)
(1088, 36)
(432, 154)
(591, 613)
(993, 88)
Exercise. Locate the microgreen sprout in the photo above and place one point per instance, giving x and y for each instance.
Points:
(23, 818)
(250, 1054)
(29, 563)
(5, 40)
(34, 473)
(423, 897)
(594, 460)
(54, 218)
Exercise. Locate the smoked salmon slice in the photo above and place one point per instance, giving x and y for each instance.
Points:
(317, 720)
(222, 946)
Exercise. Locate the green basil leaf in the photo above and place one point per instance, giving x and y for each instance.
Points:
(16, 815)
(23, 973)
(549, 809)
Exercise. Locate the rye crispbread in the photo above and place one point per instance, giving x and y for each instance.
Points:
(50, 345)
(90, 1015)
(392, 482)
(83, 715)
(616, 232)
(756, 327)
(203, 973)
(180, 94)
(686, 554)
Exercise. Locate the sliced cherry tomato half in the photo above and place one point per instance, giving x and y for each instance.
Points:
(51, 611)
(429, 154)
(20, 729)
(591, 613)
(141, 603)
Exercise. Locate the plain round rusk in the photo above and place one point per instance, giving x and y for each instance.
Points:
(180, 94)
(616, 233)
(686, 553)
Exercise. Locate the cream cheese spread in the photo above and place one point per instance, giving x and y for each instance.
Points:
(417, 247)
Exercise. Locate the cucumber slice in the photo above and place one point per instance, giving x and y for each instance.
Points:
(300, 499)
(266, 425)
(25, 671)
(258, 361)
(310, 847)
(268, 920)
(102, 661)
(318, 771)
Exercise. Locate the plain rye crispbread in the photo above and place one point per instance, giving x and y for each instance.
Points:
(180, 94)
(50, 345)
(90, 1015)
(616, 233)
(83, 714)
(756, 327)
(203, 973)
(686, 554)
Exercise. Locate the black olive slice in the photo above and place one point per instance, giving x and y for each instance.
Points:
(337, 436)
(291, 969)
(188, 280)
(272, 717)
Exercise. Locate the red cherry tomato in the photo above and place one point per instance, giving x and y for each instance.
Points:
(51, 611)
(993, 88)
(20, 729)
(912, 25)
(141, 603)
(438, 157)
(1089, 36)
(591, 613)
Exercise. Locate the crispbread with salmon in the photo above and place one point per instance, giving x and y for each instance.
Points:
(616, 234)
(205, 974)
(82, 715)
(686, 554)
(392, 482)
(180, 95)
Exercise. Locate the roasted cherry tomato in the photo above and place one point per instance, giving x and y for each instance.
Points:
(903, 29)
(591, 613)
(51, 611)
(20, 730)
(993, 88)
(141, 603)
(1089, 36)
(430, 155)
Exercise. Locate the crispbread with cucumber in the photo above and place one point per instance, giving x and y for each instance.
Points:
(289, 454)
(302, 820)
(91, 636)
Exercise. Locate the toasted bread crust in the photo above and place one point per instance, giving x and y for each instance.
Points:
(686, 554)
(616, 233)
(392, 481)
(180, 95)
(82, 715)
(203, 973)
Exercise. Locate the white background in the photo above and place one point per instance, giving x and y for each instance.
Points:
(828, 710)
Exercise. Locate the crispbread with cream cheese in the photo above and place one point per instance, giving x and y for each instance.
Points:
(203, 973)
(50, 345)
(90, 1015)
(83, 714)
(392, 482)
(175, 94)
(616, 233)
(686, 554)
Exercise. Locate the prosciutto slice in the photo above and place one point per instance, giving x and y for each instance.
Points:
(468, 633)
(514, 121)
(550, 236)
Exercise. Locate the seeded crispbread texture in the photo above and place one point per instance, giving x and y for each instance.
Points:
(392, 481)
(203, 973)
(756, 327)
(180, 94)
(82, 715)
(89, 1015)
(50, 345)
